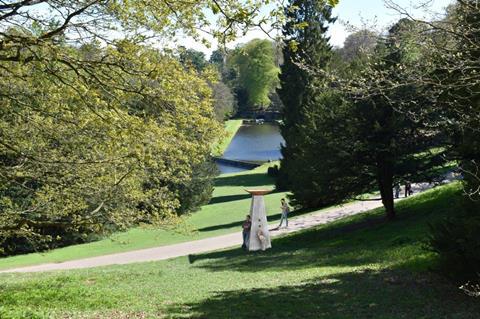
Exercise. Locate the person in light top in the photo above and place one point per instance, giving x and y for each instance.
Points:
(285, 210)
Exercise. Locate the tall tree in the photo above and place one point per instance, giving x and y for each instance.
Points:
(394, 146)
(305, 43)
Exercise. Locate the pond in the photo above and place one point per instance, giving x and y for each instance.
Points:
(253, 143)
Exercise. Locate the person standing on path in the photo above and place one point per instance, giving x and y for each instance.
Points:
(285, 210)
(408, 189)
(246, 226)
(397, 190)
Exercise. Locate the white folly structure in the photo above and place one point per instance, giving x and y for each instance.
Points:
(259, 235)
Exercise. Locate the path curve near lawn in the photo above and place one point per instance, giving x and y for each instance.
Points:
(213, 243)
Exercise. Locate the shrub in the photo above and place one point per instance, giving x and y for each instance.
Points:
(273, 171)
(456, 240)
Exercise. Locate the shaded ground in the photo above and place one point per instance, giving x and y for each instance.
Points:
(346, 295)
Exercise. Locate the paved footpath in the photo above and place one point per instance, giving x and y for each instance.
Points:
(209, 244)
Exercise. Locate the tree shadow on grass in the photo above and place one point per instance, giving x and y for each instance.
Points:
(362, 294)
(228, 198)
(250, 180)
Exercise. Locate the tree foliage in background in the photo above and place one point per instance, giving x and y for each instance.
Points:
(191, 57)
(390, 145)
(224, 101)
(257, 71)
(360, 43)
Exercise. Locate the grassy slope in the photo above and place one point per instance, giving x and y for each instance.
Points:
(231, 127)
(224, 214)
(358, 267)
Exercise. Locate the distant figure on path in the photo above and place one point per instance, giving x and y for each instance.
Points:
(397, 190)
(408, 189)
(285, 210)
(246, 226)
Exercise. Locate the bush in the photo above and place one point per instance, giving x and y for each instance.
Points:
(273, 171)
(457, 242)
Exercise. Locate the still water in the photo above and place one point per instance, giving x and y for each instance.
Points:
(258, 143)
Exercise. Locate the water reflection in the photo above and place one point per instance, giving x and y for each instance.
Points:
(226, 169)
(258, 143)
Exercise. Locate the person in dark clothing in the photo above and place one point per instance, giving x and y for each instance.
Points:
(408, 189)
(246, 226)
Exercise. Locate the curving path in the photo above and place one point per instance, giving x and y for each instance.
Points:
(213, 243)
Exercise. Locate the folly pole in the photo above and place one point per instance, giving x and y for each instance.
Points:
(259, 235)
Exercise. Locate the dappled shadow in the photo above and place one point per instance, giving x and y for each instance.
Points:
(362, 294)
(250, 180)
(228, 198)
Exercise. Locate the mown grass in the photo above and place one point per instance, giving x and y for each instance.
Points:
(357, 267)
(231, 128)
(224, 214)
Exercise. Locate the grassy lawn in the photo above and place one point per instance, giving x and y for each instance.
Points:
(224, 214)
(358, 267)
(231, 127)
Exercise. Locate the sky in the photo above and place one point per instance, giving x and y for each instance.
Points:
(351, 15)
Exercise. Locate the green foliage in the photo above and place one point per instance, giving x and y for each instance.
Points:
(224, 101)
(323, 172)
(257, 71)
(191, 57)
(94, 138)
(218, 58)
(77, 161)
(198, 190)
(358, 44)
(357, 135)
(457, 243)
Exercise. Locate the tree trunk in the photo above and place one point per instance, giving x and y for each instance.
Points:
(385, 184)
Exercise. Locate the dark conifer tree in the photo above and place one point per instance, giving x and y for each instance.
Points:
(305, 43)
